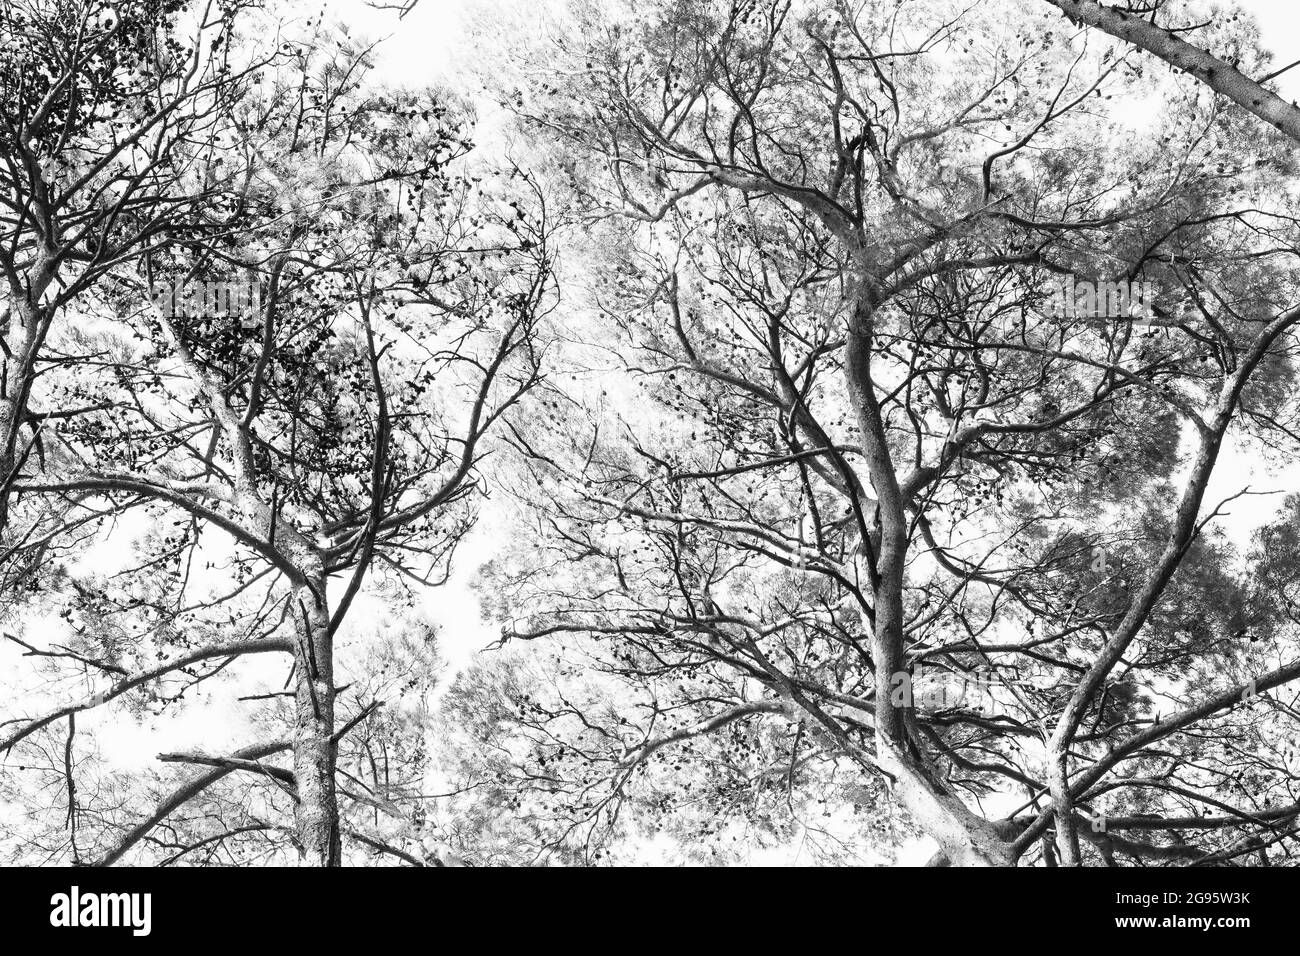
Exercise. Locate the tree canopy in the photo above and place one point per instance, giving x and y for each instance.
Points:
(874, 425)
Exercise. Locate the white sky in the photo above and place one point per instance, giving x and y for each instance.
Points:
(422, 46)
(1279, 22)
(425, 47)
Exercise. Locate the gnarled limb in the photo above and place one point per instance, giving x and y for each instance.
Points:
(1217, 74)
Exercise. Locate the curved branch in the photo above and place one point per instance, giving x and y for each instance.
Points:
(1215, 73)
(183, 795)
(233, 649)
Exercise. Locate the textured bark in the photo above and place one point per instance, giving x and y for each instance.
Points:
(1067, 834)
(314, 750)
(1215, 73)
(964, 838)
(29, 322)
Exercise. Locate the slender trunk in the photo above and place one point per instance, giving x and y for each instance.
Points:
(1067, 836)
(1182, 531)
(316, 814)
(29, 322)
(890, 532)
(9, 416)
(965, 839)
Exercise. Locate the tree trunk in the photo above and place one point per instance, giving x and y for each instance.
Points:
(29, 322)
(964, 838)
(1067, 835)
(316, 814)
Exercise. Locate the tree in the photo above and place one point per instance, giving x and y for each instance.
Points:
(326, 427)
(831, 247)
(110, 135)
(872, 401)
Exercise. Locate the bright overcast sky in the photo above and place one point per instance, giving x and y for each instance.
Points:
(1279, 22)
(427, 44)
(424, 47)
(421, 46)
